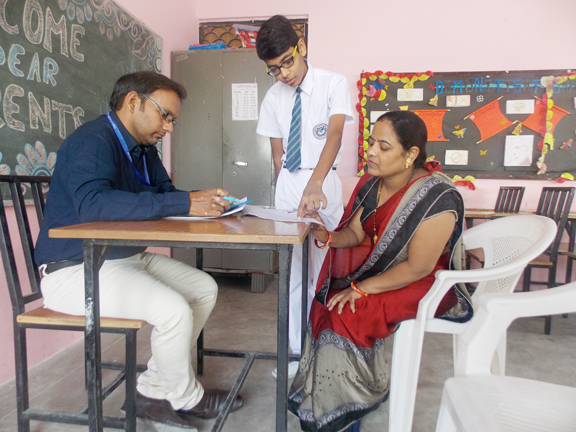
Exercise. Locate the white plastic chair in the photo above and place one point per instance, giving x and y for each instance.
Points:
(477, 401)
(509, 244)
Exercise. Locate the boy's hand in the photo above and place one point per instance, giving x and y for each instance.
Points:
(313, 199)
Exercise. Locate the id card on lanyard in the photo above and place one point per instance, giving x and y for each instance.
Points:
(145, 181)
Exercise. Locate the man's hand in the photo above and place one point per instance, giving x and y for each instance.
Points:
(208, 202)
(313, 199)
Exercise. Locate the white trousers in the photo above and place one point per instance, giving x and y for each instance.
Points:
(175, 298)
(289, 190)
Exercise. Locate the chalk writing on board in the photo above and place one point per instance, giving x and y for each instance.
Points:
(59, 60)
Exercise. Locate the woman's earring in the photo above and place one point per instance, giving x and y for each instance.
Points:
(407, 163)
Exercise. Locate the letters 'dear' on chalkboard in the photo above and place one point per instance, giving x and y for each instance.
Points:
(500, 124)
(59, 60)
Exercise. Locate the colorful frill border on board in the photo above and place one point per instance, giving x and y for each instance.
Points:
(373, 85)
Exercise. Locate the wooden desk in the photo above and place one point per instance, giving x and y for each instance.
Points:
(233, 232)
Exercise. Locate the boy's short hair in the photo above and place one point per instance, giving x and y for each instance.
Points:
(143, 82)
(274, 38)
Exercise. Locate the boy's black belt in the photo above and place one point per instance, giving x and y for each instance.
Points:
(55, 266)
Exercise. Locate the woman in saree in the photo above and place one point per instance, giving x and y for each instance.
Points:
(400, 226)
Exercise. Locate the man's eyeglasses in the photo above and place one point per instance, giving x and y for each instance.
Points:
(288, 63)
(168, 118)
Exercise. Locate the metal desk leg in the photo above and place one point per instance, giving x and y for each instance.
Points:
(200, 340)
(305, 281)
(284, 262)
(93, 258)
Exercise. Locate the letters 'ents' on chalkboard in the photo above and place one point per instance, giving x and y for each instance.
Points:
(59, 60)
(502, 124)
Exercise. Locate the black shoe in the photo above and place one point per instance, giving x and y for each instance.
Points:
(158, 410)
(210, 405)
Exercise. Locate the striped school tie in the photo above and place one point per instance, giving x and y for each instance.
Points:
(293, 157)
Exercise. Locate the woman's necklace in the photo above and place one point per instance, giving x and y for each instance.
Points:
(378, 200)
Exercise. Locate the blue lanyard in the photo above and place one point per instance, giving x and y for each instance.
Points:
(145, 181)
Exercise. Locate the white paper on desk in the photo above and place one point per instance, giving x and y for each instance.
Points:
(194, 218)
(277, 214)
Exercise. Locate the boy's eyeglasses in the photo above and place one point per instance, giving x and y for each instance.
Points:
(288, 63)
(168, 118)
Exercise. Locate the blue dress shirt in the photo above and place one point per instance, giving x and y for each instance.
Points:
(94, 181)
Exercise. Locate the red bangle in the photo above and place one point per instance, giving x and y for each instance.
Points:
(325, 245)
(358, 290)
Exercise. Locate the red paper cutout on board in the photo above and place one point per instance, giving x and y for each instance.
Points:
(433, 120)
(537, 120)
(489, 120)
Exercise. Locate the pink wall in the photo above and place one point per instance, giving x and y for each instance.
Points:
(349, 37)
(443, 35)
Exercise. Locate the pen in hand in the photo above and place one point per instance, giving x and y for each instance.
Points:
(227, 198)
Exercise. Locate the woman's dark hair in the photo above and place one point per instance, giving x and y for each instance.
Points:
(274, 38)
(143, 82)
(410, 130)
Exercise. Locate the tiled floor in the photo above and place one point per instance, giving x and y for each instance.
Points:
(247, 321)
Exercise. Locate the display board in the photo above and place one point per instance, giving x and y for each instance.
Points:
(505, 124)
(59, 60)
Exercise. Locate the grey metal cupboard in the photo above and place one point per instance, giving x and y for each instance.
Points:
(210, 149)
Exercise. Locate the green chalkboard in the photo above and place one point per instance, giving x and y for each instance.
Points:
(59, 60)
(489, 124)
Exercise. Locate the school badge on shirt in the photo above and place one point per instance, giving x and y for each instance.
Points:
(320, 131)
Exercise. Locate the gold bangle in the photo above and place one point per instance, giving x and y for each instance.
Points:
(325, 245)
(358, 290)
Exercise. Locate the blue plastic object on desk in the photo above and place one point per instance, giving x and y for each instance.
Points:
(239, 203)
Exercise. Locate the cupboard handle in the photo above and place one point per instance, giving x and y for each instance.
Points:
(239, 163)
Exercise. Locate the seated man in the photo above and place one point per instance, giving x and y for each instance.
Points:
(109, 170)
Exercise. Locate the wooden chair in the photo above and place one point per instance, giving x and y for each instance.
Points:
(509, 199)
(571, 257)
(555, 203)
(24, 287)
(570, 253)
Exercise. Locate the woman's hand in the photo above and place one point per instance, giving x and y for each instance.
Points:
(317, 230)
(343, 297)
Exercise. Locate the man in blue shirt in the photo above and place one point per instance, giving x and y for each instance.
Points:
(109, 170)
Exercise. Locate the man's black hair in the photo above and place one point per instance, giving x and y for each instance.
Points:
(274, 38)
(143, 82)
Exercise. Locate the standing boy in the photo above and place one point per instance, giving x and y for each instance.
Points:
(303, 114)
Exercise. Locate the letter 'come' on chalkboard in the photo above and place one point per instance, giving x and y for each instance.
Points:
(59, 60)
